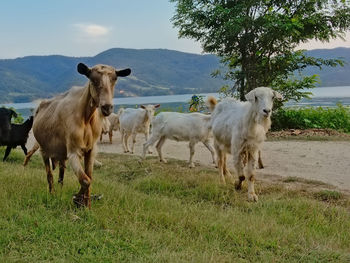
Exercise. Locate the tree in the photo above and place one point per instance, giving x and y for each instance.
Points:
(257, 40)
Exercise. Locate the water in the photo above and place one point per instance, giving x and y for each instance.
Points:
(325, 96)
(128, 101)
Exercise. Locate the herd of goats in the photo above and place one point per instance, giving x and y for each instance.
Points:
(67, 127)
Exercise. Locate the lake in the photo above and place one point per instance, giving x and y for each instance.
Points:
(322, 96)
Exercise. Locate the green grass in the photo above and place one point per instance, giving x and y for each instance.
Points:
(164, 213)
(326, 195)
(291, 179)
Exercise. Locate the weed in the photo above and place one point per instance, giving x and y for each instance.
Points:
(327, 195)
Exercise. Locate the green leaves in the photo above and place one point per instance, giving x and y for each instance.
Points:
(305, 118)
(258, 40)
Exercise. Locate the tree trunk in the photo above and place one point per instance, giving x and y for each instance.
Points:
(241, 90)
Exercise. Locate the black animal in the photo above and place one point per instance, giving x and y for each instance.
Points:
(5, 123)
(18, 136)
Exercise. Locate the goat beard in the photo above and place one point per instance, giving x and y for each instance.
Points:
(263, 120)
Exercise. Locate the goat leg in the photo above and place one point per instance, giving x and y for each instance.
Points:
(83, 196)
(23, 146)
(7, 152)
(110, 134)
(239, 171)
(260, 163)
(61, 172)
(48, 173)
(30, 153)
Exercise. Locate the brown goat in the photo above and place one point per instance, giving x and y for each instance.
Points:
(67, 127)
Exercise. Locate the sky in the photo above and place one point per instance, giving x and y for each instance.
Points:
(88, 27)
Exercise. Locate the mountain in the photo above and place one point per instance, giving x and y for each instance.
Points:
(154, 72)
(338, 76)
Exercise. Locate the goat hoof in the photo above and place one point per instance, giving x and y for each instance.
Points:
(163, 161)
(252, 197)
(78, 200)
(238, 185)
(26, 160)
(191, 165)
(81, 200)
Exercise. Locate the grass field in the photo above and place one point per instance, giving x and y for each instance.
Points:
(165, 213)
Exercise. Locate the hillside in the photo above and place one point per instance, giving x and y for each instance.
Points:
(339, 76)
(154, 72)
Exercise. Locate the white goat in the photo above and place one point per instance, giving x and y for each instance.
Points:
(105, 126)
(110, 124)
(192, 127)
(239, 128)
(133, 121)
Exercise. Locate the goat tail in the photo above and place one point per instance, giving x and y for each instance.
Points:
(211, 103)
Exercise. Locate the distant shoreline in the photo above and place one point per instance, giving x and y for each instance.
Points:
(325, 97)
(319, 93)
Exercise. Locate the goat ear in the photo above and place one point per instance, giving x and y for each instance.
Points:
(277, 95)
(250, 96)
(123, 72)
(143, 107)
(157, 106)
(14, 114)
(83, 69)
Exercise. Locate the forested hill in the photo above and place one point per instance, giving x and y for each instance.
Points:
(338, 76)
(154, 72)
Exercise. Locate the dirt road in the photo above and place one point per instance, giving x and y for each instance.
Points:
(326, 161)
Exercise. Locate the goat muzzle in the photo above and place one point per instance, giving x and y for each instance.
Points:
(266, 112)
(106, 109)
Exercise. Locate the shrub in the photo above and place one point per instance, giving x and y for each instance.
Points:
(313, 117)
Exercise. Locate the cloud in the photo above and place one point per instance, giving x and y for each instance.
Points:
(93, 30)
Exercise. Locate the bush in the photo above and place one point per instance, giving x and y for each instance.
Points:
(314, 117)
